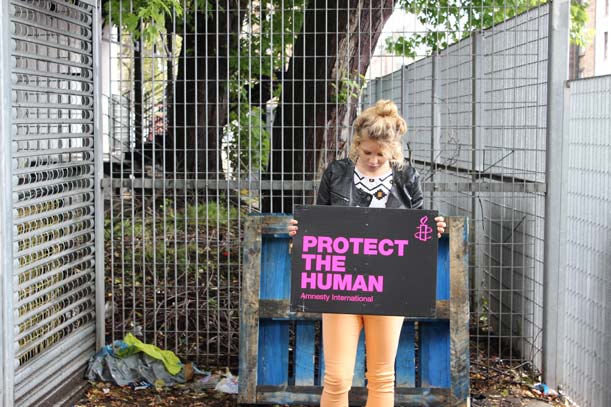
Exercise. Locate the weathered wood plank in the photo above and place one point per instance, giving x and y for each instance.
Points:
(359, 365)
(321, 365)
(435, 335)
(279, 309)
(305, 341)
(274, 285)
(310, 395)
(435, 353)
(275, 269)
(275, 225)
(249, 311)
(444, 353)
(443, 268)
(273, 360)
(459, 311)
(405, 370)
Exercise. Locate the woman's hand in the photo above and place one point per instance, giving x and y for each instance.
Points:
(293, 227)
(441, 225)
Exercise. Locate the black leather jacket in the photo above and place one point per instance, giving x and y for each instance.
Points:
(337, 187)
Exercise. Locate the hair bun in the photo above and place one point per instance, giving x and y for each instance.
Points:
(386, 108)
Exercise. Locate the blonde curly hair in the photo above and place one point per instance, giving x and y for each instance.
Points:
(382, 123)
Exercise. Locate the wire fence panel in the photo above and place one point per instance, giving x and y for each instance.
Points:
(418, 81)
(476, 113)
(236, 107)
(587, 320)
(233, 107)
(453, 96)
(52, 194)
(514, 68)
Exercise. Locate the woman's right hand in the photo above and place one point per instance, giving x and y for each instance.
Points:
(293, 227)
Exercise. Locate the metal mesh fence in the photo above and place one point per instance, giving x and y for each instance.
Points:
(237, 107)
(51, 195)
(586, 320)
(476, 112)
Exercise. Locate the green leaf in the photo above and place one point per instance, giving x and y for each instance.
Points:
(448, 21)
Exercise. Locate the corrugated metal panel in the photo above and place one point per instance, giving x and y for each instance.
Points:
(507, 269)
(419, 88)
(587, 340)
(52, 193)
(453, 100)
(6, 231)
(411, 89)
(477, 110)
(514, 63)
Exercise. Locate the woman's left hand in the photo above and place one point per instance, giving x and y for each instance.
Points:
(441, 225)
(293, 227)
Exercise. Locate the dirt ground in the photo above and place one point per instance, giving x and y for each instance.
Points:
(492, 384)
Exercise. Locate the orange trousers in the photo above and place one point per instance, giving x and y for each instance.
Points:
(340, 333)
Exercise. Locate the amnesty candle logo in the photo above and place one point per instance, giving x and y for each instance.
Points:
(425, 232)
(366, 264)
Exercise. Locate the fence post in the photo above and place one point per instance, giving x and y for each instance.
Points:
(476, 155)
(6, 211)
(458, 229)
(98, 176)
(435, 123)
(378, 90)
(477, 93)
(249, 305)
(554, 272)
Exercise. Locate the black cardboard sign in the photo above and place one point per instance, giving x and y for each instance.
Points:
(371, 261)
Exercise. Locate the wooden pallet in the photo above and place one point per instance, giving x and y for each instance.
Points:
(432, 367)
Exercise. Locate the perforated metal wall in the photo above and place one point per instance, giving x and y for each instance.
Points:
(52, 193)
(586, 355)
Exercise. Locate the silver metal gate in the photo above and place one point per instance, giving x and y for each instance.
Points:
(47, 240)
(237, 106)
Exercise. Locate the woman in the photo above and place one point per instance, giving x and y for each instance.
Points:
(374, 175)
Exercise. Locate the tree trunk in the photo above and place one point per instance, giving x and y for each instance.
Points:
(198, 105)
(312, 124)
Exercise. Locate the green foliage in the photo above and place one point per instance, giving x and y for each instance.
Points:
(265, 46)
(349, 88)
(247, 139)
(449, 21)
(142, 18)
(267, 40)
(579, 18)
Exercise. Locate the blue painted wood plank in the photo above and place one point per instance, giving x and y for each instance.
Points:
(321, 367)
(435, 353)
(359, 366)
(275, 269)
(443, 269)
(405, 369)
(304, 352)
(273, 359)
(273, 334)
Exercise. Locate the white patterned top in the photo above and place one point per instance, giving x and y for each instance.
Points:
(378, 187)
